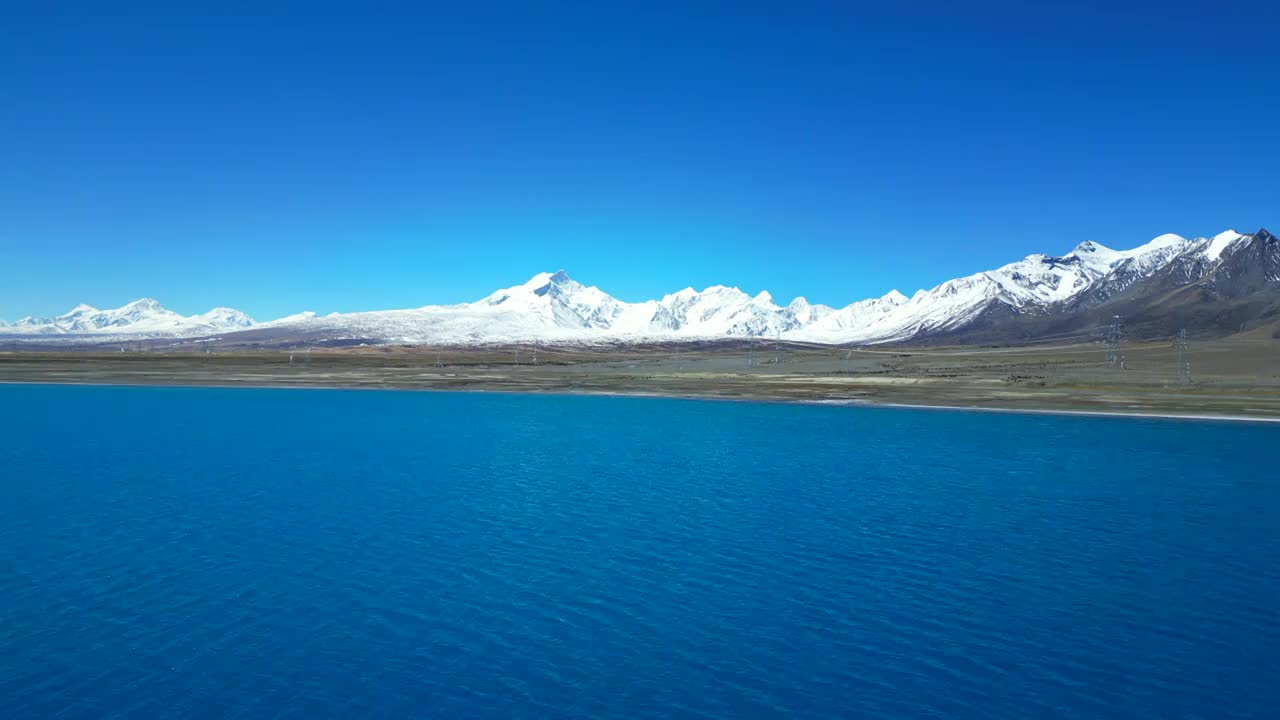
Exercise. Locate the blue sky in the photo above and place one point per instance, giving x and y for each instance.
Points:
(281, 157)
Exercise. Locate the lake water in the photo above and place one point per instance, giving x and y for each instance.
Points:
(311, 554)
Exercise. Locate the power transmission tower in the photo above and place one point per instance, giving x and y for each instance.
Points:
(439, 362)
(1184, 359)
(777, 347)
(535, 352)
(1115, 332)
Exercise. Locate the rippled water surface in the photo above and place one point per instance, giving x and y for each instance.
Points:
(309, 554)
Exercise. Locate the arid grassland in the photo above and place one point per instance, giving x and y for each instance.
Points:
(1239, 377)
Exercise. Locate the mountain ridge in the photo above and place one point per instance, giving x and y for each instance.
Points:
(1016, 301)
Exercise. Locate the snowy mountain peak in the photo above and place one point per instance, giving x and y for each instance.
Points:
(1161, 242)
(1096, 254)
(301, 317)
(894, 297)
(145, 303)
(225, 318)
(1089, 247)
(805, 313)
(538, 286)
(1221, 242)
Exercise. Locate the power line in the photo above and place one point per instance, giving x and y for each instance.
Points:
(1115, 332)
(1079, 332)
(1184, 359)
(1089, 335)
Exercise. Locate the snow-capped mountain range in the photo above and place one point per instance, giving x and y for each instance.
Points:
(554, 307)
(144, 317)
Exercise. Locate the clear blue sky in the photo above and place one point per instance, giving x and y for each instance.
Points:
(281, 157)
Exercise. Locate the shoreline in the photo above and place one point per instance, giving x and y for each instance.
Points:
(760, 398)
(1093, 413)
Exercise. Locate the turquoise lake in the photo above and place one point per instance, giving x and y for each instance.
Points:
(187, 552)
